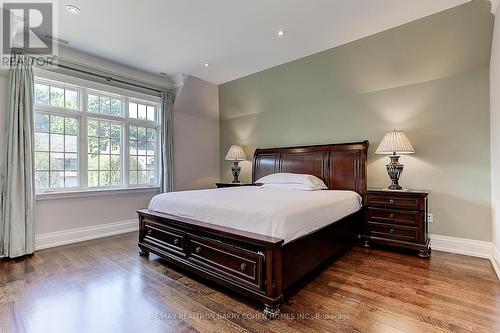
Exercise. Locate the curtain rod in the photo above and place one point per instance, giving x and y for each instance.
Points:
(101, 76)
(107, 78)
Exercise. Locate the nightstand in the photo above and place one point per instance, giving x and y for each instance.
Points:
(397, 218)
(221, 185)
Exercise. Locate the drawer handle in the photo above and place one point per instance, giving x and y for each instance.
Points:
(149, 231)
(391, 201)
(198, 249)
(391, 216)
(176, 241)
(243, 266)
(391, 231)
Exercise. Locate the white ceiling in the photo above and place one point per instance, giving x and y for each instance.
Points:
(236, 37)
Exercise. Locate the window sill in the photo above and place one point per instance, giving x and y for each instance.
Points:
(95, 193)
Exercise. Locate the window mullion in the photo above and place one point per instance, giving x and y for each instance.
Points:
(105, 117)
(57, 112)
(50, 154)
(84, 141)
(125, 145)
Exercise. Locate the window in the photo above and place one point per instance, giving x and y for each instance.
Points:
(52, 95)
(56, 151)
(104, 153)
(142, 111)
(91, 139)
(105, 105)
(142, 164)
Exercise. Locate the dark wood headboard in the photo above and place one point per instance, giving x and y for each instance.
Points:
(341, 166)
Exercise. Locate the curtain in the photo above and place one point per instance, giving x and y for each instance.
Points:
(167, 142)
(18, 190)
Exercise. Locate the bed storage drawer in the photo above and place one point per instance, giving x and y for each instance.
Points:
(228, 261)
(169, 239)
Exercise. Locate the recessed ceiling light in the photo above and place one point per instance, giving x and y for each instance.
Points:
(72, 9)
(281, 33)
(206, 64)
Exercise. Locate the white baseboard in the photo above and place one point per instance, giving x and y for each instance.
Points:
(495, 260)
(58, 238)
(464, 246)
(468, 247)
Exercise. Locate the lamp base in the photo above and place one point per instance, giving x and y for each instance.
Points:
(394, 169)
(388, 190)
(235, 169)
(395, 187)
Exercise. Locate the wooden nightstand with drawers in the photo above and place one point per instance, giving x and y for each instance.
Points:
(397, 218)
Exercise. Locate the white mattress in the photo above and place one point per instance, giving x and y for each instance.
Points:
(286, 214)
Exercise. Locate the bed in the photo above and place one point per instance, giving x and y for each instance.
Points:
(274, 212)
(258, 242)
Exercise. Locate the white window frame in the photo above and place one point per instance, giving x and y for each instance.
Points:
(84, 87)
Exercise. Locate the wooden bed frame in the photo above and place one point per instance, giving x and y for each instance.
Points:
(255, 265)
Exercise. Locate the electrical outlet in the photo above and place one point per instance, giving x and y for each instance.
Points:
(430, 218)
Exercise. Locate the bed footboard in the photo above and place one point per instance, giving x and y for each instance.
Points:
(245, 262)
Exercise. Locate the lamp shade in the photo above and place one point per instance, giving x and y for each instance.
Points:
(395, 142)
(235, 153)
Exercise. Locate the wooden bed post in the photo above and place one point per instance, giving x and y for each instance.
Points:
(143, 252)
(273, 282)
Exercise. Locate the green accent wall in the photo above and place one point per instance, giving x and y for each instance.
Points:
(429, 78)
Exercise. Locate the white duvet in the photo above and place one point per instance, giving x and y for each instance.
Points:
(281, 213)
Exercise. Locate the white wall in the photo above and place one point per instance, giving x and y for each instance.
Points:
(116, 68)
(495, 134)
(196, 136)
(55, 215)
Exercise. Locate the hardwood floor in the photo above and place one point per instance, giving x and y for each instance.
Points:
(104, 286)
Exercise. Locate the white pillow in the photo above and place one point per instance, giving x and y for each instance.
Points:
(293, 186)
(293, 178)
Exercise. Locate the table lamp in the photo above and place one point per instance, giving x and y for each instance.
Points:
(235, 154)
(395, 143)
